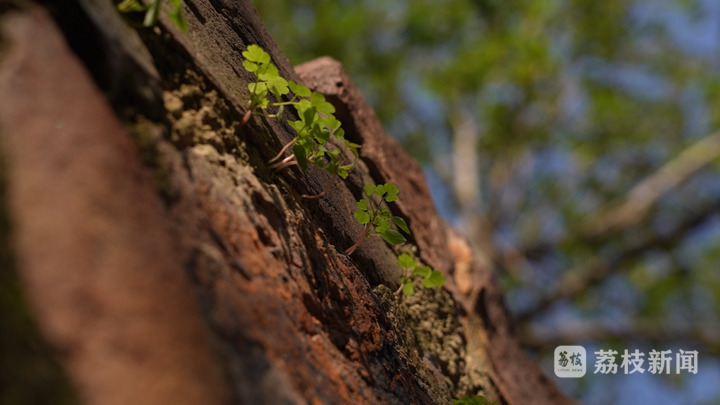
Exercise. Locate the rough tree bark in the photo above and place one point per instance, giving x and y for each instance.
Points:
(164, 262)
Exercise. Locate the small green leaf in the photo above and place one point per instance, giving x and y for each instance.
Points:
(152, 14)
(258, 89)
(300, 156)
(436, 279)
(406, 261)
(297, 125)
(256, 54)
(299, 89)
(401, 224)
(267, 72)
(130, 5)
(362, 204)
(318, 101)
(408, 289)
(380, 190)
(369, 189)
(392, 237)
(380, 225)
(278, 86)
(392, 191)
(250, 66)
(322, 136)
(301, 106)
(177, 17)
(319, 161)
(280, 112)
(362, 217)
(353, 146)
(330, 122)
(423, 271)
(309, 115)
(391, 188)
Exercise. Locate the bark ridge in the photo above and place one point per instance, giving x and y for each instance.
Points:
(164, 262)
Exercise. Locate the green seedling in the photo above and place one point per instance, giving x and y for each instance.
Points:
(315, 127)
(371, 213)
(411, 269)
(152, 12)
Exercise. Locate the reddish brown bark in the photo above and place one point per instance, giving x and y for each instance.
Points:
(166, 262)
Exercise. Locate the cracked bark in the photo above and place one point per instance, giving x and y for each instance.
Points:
(165, 262)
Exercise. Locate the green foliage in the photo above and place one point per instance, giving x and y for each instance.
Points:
(152, 12)
(267, 77)
(316, 124)
(411, 269)
(571, 104)
(374, 215)
(476, 400)
(176, 15)
(370, 211)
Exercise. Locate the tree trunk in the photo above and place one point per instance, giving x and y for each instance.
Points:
(164, 262)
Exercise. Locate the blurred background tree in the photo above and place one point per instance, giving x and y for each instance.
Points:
(575, 142)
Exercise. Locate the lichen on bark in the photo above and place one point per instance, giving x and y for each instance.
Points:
(432, 340)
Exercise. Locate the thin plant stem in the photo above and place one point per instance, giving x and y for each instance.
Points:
(245, 118)
(276, 157)
(352, 248)
(404, 277)
(288, 161)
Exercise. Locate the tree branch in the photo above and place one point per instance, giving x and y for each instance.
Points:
(644, 195)
(634, 207)
(597, 269)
